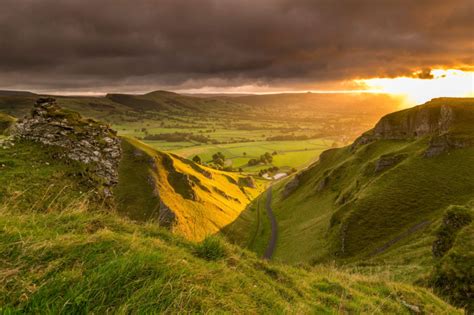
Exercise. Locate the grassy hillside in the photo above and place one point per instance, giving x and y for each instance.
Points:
(202, 200)
(34, 179)
(378, 201)
(89, 261)
(173, 102)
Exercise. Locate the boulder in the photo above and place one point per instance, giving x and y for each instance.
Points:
(323, 183)
(387, 161)
(291, 186)
(444, 143)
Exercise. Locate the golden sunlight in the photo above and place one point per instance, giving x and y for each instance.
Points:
(444, 83)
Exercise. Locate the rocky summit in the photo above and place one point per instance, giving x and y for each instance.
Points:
(440, 120)
(83, 140)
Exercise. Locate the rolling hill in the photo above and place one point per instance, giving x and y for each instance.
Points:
(175, 103)
(18, 104)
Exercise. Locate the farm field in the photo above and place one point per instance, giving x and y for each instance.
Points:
(289, 154)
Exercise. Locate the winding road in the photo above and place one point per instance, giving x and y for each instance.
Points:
(274, 227)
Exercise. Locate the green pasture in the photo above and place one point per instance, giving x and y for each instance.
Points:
(289, 153)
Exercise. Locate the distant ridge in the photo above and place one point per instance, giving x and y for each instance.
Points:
(16, 93)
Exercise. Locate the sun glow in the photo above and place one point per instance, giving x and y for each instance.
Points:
(443, 83)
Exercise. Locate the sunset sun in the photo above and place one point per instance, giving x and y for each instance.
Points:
(442, 83)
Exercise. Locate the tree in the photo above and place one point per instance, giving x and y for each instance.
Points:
(266, 158)
(253, 162)
(218, 156)
(219, 161)
(197, 159)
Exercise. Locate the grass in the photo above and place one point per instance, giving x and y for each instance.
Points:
(65, 252)
(203, 200)
(251, 230)
(89, 261)
(135, 193)
(289, 153)
(416, 190)
(211, 248)
(32, 176)
(452, 276)
(6, 122)
(359, 211)
(453, 249)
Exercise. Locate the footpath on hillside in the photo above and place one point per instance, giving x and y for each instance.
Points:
(274, 227)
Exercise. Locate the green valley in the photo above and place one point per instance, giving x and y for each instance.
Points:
(376, 206)
(236, 157)
(297, 127)
(357, 227)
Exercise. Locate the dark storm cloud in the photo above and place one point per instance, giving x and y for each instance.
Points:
(73, 44)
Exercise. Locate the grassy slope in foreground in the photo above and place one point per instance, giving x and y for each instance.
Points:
(203, 200)
(75, 261)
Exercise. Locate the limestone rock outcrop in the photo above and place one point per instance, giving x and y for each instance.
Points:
(387, 161)
(435, 121)
(83, 140)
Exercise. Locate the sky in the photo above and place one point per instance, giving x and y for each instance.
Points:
(89, 47)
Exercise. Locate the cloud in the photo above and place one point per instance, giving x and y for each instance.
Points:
(424, 74)
(141, 44)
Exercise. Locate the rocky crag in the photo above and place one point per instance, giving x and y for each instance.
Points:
(437, 119)
(84, 140)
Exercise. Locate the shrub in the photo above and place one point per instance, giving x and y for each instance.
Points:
(253, 162)
(212, 248)
(454, 219)
(197, 159)
(452, 275)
